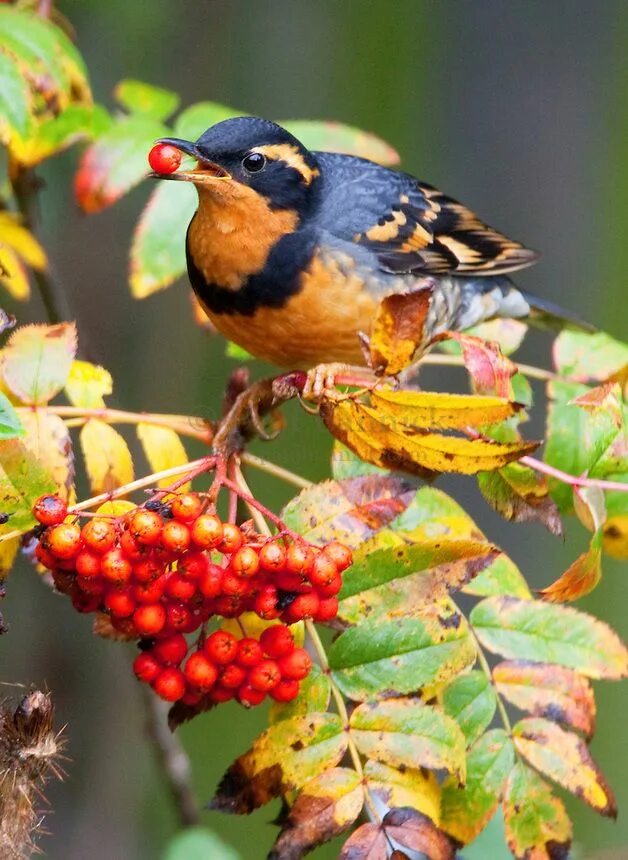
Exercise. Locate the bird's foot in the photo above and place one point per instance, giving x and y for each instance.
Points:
(324, 378)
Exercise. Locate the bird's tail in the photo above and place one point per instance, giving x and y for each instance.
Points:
(547, 315)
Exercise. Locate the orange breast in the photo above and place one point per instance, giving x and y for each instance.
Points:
(318, 324)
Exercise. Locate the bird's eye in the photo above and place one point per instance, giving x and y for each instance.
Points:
(254, 162)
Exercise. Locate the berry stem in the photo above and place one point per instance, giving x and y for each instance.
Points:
(260, 522)
(246, 497)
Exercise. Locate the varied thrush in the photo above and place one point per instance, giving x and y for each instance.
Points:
(290, 251)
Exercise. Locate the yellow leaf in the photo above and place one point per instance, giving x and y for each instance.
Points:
(442, 411)
(163, 449)
(107, 457)
(116, 508)
(8, 551)
(13, 275)
(49, 441)
(87, 384)
(398, 330)
(615, 536)
(404, 787)
(22, 241)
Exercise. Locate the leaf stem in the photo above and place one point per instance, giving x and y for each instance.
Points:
(457, 361)
(572, 480)
(275, 470)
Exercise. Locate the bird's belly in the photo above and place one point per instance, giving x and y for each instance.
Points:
(319, 323)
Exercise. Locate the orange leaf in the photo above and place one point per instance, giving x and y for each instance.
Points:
(580, 578)
(398, 330)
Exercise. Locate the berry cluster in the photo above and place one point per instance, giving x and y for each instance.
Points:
(161, 571)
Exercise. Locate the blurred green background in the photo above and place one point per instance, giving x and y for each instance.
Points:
(520, 109)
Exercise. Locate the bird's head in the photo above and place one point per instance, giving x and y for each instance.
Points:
(251, 153)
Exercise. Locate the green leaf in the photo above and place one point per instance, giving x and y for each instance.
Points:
(502, 577)
(403, 786)
(470, 699)
(36, 361)
(548, 633)
(139, 97)
(15, 102)
(10, 424)
(466, 810)
(402, 732)
(433, 514)
(589, 356)
(158, 248)
(238, 353)
(400, 656)
(194, 120)
(314, 694)
(337, 137)
(383, 582)
(345, 464)
(116, 162)
(537, 824)
(22, 480)
(198, 843)
(60, 132)
(520, 495)
(284, 757)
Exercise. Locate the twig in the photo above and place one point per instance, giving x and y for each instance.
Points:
(572, 480)
(258, 519)
(275, 470)
(458, 361)
(172, 758)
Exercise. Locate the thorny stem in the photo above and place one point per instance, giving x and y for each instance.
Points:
(572, 480)
(172, 757)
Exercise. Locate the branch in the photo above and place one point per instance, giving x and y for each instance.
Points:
(572, 480)
(171, 757)
(458, 361)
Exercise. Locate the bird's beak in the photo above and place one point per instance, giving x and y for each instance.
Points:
(206, 170)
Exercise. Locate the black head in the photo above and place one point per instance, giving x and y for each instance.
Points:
(255, 153)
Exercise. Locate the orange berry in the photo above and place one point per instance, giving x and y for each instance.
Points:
(299, 558)
(209, 582)
(145, 527)
(150, 592)
(130, 547)
(296, 665)
(232, 676)
(171, 649)
(264, 676)
(146, 667)
(87, 563)
(221, 647)
(245, 562)
(249, 696)
(50, 510)
(175, 536)
(285, 691)
(200, 672)
(186, 507)
(272, 557)
(98, 535)
(180, 588)
(277, 641)
(149, 619)
(303, 606)
(327, 609)
(323, 570)
(115, 567)
(170, 684)
(63, 541)
(206, 531)
(232, 538)
(250, 652)
(341, 555)
(45, 557)
(120, 603)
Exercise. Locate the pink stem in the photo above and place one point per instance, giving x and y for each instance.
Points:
(572, 480)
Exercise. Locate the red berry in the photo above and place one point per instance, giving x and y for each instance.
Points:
(229, 606)
(200, 672)
(63, 541)
(175, 536)
(149, 619)
(180, 588)
(296, 665)
(245, 562)
(220, 694)
(340, 554)
(170, 684)
(299, 558)
(150, 592)
(145, 527)
(209, 582)
(277, 641)
(115, 567)
(207, 531)
(120, 603)
(83, 602)
(292, 582)
(146, 667)
(193, 565)
(45, 557)
(232, 538)
(265, 603)
(249, 696)
(87, 563)
(331, 588)
(265, 675)
(130, 547)
(164, 158)
(327, 609)
(179, 618)
(221, 647)
(285, 691)
(91, 585)
(272, 557)
(147, 570)
(186, 507)
(235, 586)
(50, 510)
(191, 697)
(250, 652)
(171, 649)
(98, 535)
(323, 570)
(303, 606)
(232, 676)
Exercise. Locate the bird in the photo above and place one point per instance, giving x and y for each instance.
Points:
(291, 252)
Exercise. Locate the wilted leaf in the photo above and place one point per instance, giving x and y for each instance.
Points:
(417, 832)
(588, 356)
(21, 240)
(502, 577)
(138, 97)
(490, 371)
(351, 511)
(403, 786)
(337, 137)
(590, 507)
(10, 424)
(198, 843)
(400, 656)
(537, 824)
(88, 384)
(470, 700)
(107, 457)
(116, 162)
(22, 480)
(368, 842)
(163, 448)
(606, 399)
(546, 633)
(194, 120)
(158, 250)
(406, 732)
(544, 690)
(37, 359)
(286, 756)
(436, 411)
(325, 807)
(398, 330)
(466, 810)
(48, 439)
(396, 579)
(314, 694)
(566, 759)
(519, 494)
(580, 578)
